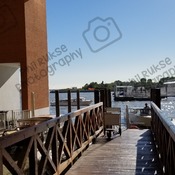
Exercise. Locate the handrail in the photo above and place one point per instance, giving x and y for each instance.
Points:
(51, 146)
(170, 127)
(164, 135)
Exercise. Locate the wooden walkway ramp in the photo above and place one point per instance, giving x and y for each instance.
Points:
(131, 154)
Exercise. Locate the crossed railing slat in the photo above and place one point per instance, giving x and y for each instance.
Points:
(51, 146)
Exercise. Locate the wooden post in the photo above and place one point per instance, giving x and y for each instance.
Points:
(33, 103)
(127, 118)
(166, 89)
(55, 145)
(33, 166)
(109, 102)
(70, 138)
(69, 100)
(106, 97)
(102, 98)
(57, 105)
(96, 96)
(78, 99)
(156, 97)
(1, 163)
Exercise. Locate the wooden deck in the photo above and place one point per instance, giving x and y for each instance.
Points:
(131, 154)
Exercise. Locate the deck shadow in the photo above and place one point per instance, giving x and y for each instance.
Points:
(147, 161)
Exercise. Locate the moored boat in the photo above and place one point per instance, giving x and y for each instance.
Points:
(64, 102)
(138, 117)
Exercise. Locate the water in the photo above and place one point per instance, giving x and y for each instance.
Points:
(167, 105)
(64, 109)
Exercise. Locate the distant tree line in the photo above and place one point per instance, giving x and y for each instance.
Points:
(146, 83)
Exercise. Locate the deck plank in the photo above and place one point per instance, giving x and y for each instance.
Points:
(133, 153)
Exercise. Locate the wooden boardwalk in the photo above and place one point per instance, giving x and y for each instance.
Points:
(131, 154)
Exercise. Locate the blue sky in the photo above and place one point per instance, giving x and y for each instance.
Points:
(147, 40)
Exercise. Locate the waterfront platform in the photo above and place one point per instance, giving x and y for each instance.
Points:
(133, 153)
(139, 98)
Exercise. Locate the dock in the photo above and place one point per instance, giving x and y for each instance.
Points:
(75, 144)
(134, 153)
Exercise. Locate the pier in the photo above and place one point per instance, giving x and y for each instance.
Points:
(32, 142)
(75, 144)
(132, 153)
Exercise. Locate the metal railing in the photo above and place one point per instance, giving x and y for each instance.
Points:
(2, 121)
(8, 119)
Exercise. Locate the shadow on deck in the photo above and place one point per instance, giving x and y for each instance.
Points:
(134, 153)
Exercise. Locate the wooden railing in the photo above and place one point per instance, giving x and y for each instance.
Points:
(53, 146)
(164, 133)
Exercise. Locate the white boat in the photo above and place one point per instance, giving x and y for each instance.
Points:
(137, 117)
(64, 102)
